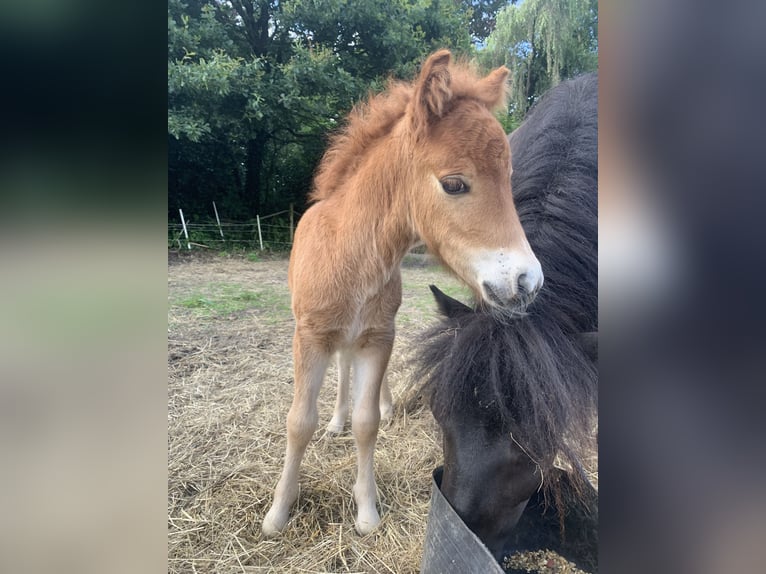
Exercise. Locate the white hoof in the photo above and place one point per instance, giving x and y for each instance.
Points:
(335, 427)
(274, 523)
(367, 522)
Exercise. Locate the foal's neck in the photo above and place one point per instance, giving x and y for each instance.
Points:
(375, 206)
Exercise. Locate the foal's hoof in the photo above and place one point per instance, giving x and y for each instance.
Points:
(364, 528)
(335, 427)
(367, 523)
(273, 524)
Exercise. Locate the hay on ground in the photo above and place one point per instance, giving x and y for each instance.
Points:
(229, 389)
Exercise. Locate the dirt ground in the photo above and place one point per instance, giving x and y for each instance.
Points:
(229, 389)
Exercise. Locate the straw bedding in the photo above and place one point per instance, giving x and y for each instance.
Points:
(229, 389)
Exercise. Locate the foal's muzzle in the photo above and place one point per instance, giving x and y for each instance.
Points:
(514, 290)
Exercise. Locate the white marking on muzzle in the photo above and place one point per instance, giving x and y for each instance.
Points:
(508, 278)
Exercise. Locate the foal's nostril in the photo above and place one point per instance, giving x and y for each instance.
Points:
(527, 287)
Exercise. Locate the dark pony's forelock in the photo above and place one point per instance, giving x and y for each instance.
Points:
(530, 376)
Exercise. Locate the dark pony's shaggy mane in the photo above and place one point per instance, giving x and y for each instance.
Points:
(529, 375)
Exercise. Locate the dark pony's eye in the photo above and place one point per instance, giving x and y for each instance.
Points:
(454, 185)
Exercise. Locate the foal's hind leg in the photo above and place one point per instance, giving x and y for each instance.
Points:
(386, 401)
(341, 402)
(310, 365)
(369, 367)
(340, 414)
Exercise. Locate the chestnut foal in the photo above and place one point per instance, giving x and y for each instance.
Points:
(422, 162)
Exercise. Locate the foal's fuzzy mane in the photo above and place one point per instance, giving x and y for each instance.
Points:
(373, 119)
(367, 123)
(529, 375)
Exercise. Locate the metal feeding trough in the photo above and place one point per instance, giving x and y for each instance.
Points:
(452, 548)
(450, 545)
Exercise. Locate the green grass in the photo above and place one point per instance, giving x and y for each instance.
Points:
(272, 301)
(218, 300)
(418, 303)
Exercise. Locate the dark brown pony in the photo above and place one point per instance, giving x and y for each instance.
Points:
(512, 394)
(424, 162)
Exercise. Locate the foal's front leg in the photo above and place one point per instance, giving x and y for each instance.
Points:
(370, 363)
(310, 366)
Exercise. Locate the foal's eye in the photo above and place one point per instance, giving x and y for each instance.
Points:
(454, 185)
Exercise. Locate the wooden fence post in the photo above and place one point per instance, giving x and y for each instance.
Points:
(219, 221)
(186, 233)
(260, 238)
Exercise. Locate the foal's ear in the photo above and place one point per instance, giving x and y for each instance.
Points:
(432, 89)
(451, 308)
(493, 89)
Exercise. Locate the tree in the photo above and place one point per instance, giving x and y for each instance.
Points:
(254, 87)
(543, 42)
(482, 14)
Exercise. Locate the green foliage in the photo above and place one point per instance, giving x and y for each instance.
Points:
(203, 93)
(509, 121)
(256, 86)
(481, 15)
(543, 42)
